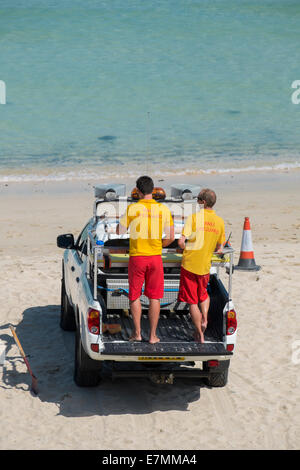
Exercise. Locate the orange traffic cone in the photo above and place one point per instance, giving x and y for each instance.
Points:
(247, 261)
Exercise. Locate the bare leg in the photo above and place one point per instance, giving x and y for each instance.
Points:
(204, 306)
(196, 316)
(136, 311)
(154, 311)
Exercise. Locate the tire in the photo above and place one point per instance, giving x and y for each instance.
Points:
(87, 372)
(67, 316)
(217, 379)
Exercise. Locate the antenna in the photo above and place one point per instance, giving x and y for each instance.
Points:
(226, 244)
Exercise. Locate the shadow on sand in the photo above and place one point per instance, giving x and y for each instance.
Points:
(50, 352)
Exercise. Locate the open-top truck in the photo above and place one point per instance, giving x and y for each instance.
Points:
(94, 301)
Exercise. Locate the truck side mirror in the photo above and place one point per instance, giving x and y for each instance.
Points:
(65, 241)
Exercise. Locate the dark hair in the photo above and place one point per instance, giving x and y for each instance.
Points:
(207, 195)
(145, 184)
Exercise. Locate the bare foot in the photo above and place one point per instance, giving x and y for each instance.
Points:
(199, 337)
(135, 337)
(204, 326)
(154, 340)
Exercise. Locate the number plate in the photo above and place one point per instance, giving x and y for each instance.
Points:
(164, 358)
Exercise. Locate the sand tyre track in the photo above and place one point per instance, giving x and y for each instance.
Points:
(217, 379)
(87, 372)
(67, 316)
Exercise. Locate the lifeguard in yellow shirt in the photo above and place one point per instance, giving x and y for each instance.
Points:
(147, 220)
(203, 234)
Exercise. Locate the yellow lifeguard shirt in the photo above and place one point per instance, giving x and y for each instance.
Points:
(203, 230)
(147, 220)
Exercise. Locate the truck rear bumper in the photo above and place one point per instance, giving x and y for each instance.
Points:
(155, 359)
(165, 373)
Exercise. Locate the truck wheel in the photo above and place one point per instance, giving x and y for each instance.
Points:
(67, 317)
(217, 379)
(87, 372)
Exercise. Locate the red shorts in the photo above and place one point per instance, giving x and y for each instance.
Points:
(148, 269)
(192, 288)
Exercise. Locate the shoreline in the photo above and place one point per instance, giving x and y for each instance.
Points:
(153, 166)
(237, 181)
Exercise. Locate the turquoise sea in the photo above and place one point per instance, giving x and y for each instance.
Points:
(111, 87)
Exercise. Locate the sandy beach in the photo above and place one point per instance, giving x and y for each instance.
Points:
(260, 406)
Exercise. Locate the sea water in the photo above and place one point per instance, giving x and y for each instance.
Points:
(105, 88)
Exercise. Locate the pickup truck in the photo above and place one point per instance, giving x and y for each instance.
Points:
(94, 302)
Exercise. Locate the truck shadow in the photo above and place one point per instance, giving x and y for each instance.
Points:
(50, 352)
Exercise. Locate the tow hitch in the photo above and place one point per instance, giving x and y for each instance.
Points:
(158, 378)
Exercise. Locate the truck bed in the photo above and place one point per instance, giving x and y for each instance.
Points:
(175, 333)
(175, 330)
